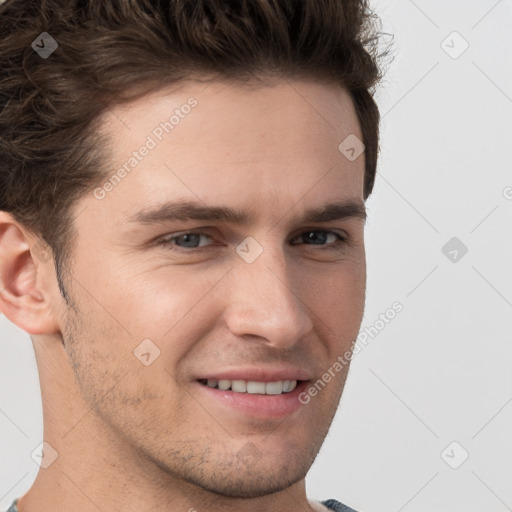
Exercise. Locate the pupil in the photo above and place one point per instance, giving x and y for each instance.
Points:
(190, 237)
(313, 235)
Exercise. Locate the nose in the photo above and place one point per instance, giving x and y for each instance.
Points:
(265, 304)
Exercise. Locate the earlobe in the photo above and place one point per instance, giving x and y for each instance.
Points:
(22, 297)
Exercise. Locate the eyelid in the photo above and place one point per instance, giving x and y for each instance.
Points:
(166, 240)
(341, 236)
(340, 232)
(206, 230)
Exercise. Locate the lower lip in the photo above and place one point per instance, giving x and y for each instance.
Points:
(267, 406)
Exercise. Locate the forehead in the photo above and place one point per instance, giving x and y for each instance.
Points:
(221, 143)
(245, 119)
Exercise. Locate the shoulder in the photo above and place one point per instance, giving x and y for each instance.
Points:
(13, 507)
(336, 506)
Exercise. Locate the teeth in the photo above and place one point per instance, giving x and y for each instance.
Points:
(240, 386)
(224, 384)
(256, 388)
(253, 387)
(289, 385)
(274, 388)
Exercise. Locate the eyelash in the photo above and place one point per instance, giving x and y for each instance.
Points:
(166, 242)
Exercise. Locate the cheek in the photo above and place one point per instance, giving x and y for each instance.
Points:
(337, 300)
(172, 304)
(112, 370)
(341, 312)
(336, 288)
(148, 299)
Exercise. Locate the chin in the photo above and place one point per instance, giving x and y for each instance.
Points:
(250, 473)
(247, 483)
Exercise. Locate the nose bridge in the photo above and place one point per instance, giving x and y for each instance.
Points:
(263, 302)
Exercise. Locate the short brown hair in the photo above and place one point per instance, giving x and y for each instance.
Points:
(111, 52)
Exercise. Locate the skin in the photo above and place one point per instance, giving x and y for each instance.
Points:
(144, 438)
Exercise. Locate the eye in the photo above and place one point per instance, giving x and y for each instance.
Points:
(311, 237)
(190, 241)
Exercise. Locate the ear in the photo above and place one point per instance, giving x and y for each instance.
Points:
(25, 267)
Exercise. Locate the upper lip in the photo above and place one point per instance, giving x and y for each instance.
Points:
(259, 374)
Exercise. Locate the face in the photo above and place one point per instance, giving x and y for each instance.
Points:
(207, 265)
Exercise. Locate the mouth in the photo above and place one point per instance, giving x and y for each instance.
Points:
(269, 400)
(252, 387)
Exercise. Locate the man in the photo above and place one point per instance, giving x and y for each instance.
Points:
(183, 189)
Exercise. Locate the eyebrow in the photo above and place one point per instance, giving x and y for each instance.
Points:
(191, 210)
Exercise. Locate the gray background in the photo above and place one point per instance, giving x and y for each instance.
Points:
(433, 386)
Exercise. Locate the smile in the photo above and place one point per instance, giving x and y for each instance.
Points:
(251, 387)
